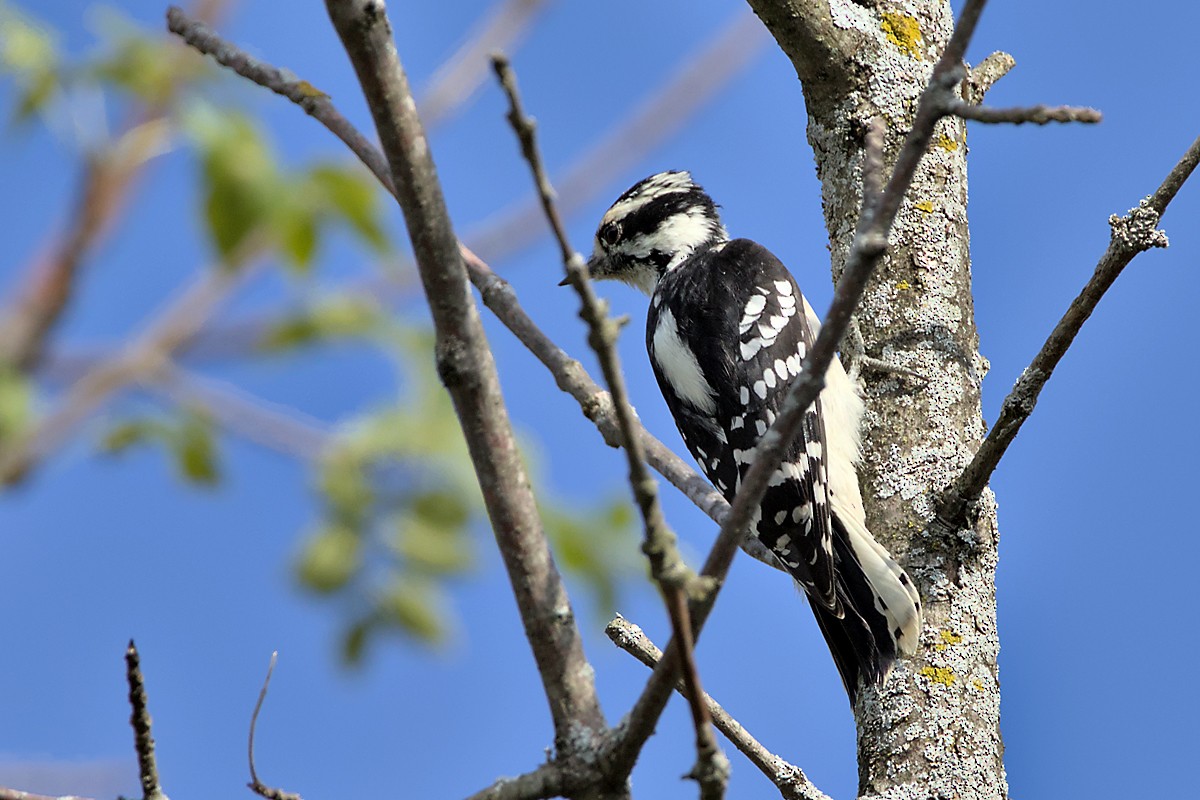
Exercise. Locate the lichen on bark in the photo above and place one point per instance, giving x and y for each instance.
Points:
(933, 730)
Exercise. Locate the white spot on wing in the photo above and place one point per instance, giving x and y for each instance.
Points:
(755, 305)
(783, 287)
(760, 389)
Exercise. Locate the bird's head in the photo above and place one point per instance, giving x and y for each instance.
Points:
(653, 227)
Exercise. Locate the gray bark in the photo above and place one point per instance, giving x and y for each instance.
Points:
(933, 730)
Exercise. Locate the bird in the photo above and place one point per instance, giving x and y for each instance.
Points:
(726, 332)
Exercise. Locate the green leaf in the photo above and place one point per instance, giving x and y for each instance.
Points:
(346, 487)
(127, 433)
(239, 179)
(431, 549)
(26, 45)
(330, 558)
(415, 604)
(28, 51)
(298, 235)
(195, 451)
(16, 403)
(141, 64)
(354, 643)
(354, 197)
(334, 318)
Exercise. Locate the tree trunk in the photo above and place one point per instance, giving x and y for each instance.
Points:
(934, 729)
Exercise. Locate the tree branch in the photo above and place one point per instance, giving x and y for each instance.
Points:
(791, 781)
(467, 370)
(143, 739)
(667, 567)
(1038, 115)
(1132, 234)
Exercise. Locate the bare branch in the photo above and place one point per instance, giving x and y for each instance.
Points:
(983, 76)
(1132, 234)
(548, 780)
(659, 116)
(1038, 115)
(793, 784)
(314, 102)
(453, 83)
(257, 786)
(872, 178)
(468, 371)
(143, 739)
(280, 428)
(667, 566)
(148, 352)
(17, 794)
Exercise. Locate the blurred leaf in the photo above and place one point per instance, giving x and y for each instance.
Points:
(335, 317)
(330, 558)
(239, 179)
(16, 403)
(345, 487)
(354, 642)
(354, 197)
(596, 545)
(141, 63)
(28, 51)
(434, 543)
(415, 604)
(195, 450)
(127, 433)
(298, 234)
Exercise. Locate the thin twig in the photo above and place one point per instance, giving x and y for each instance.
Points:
(793, 784)
(468, 371)
(139, 718)
(667, 566)
(1038, 115)
(257, 786)
(280, 428)
(1132, 234)
(661, 114)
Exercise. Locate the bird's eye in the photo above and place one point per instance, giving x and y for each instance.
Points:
(610, 233)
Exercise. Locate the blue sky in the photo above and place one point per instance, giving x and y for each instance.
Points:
(1098, 547)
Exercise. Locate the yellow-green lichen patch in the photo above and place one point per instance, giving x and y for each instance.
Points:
(939, 675)
(977, 684)
(924, 205)
(902, 31)
(948, 638)
(946, 143)
(904, 286)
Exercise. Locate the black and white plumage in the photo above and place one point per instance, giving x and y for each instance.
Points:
(727, 331)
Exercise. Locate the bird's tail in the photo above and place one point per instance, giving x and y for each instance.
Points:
(881, 616)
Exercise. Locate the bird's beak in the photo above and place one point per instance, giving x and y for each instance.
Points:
(595, 268)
